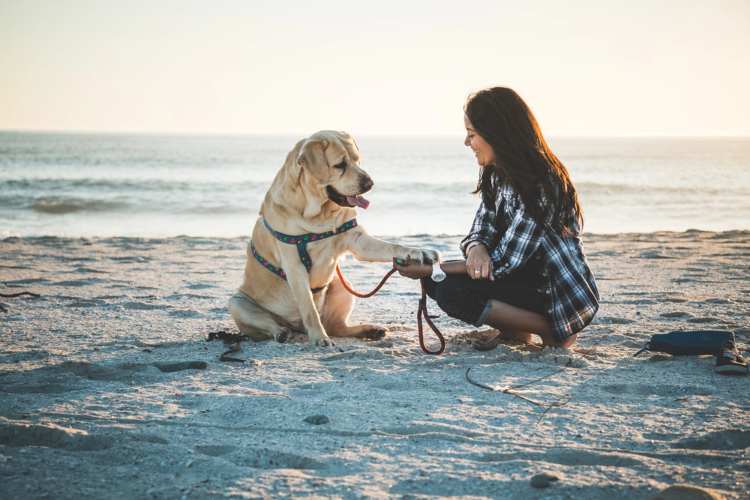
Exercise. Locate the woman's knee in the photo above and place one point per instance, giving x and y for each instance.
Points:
(442, 296)
(455, 304)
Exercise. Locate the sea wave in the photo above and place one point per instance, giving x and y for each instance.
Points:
(57, 205)
(17, 192)
(640, 188)
(135, 185)
(66, 205)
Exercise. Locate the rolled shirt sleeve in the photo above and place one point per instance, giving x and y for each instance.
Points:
(518, 243)
(483, 229)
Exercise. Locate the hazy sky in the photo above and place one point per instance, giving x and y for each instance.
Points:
(585, 67)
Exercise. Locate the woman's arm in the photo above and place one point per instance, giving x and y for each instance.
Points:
(417, 271)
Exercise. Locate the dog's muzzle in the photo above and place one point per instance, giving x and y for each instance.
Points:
(348, 200)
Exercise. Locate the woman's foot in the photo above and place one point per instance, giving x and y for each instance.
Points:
(492, 342)
(488, 344)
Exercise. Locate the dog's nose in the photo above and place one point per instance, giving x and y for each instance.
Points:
(366, 184)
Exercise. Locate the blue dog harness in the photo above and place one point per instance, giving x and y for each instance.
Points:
(301, 241)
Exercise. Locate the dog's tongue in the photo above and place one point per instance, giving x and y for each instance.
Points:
(359, 201)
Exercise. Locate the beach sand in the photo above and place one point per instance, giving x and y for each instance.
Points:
(108, 388)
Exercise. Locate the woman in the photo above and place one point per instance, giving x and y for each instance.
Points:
(525, 272)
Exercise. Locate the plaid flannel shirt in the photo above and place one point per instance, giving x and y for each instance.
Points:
(512, 236)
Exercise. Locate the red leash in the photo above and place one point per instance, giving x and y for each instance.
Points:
(421, 311)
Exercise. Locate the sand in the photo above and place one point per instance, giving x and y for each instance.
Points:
(108, 388)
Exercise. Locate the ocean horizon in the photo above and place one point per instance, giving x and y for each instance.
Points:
(211, 185)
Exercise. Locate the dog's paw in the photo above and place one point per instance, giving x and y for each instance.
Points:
(422, 256)
(323, 341)
(430, 256)
(374, 333)
(283, 336)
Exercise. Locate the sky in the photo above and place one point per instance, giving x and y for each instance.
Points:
(586, 68)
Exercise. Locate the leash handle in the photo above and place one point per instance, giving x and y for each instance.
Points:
(422, 311)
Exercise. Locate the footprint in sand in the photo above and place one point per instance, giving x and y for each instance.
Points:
(611, 320)
(125, 371)
(706, 319)
(181, 366)
(566, 456)
(263, 458)
(675, 300)
(57, 379)
(717, 300)
(22, 435)
(199, 286)
(720, 440)
(639, 301)
(94, 371)
(65, 258)
(26, 281)
(450, 486)
(79, 283)
(35, 388)
(147, 438)
(131, 259)
(215, 450)
(142, 306)
(685, 280)
(185, 313)
(676, 315)
(356, 354)
(432, 428)
(89, 270)
(664, 390)
(12, 266)
(29, 355)
(82, 302)
(654, 254)
(187, 296)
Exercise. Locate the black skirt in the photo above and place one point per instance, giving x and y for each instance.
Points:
(466, 299)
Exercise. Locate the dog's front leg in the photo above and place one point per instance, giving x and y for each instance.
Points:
(365, 247)
(299, 282)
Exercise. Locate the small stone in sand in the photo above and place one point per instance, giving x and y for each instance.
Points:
(687, 492)
(543, 480)
(317, 419)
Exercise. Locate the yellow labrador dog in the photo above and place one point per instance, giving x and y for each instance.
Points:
(306, 222)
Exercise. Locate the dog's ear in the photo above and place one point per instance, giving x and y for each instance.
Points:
(312, 157)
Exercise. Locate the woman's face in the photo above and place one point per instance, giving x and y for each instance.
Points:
(482, 150)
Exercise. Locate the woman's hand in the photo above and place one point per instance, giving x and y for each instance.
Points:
(414, 270)
(479, 264)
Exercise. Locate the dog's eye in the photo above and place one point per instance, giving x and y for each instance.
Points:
(340, 166)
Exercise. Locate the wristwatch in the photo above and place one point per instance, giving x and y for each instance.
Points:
(438, 274)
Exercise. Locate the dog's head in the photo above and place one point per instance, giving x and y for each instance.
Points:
(332, 159)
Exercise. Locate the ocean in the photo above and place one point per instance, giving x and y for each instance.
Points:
(88, 185)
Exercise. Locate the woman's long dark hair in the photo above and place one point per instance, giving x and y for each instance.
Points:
(522, 158)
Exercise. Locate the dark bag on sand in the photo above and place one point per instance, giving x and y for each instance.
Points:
(693, 342)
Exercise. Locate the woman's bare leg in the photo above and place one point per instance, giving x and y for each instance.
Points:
(517, 322)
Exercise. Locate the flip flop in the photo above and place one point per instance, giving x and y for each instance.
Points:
(489, 344)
